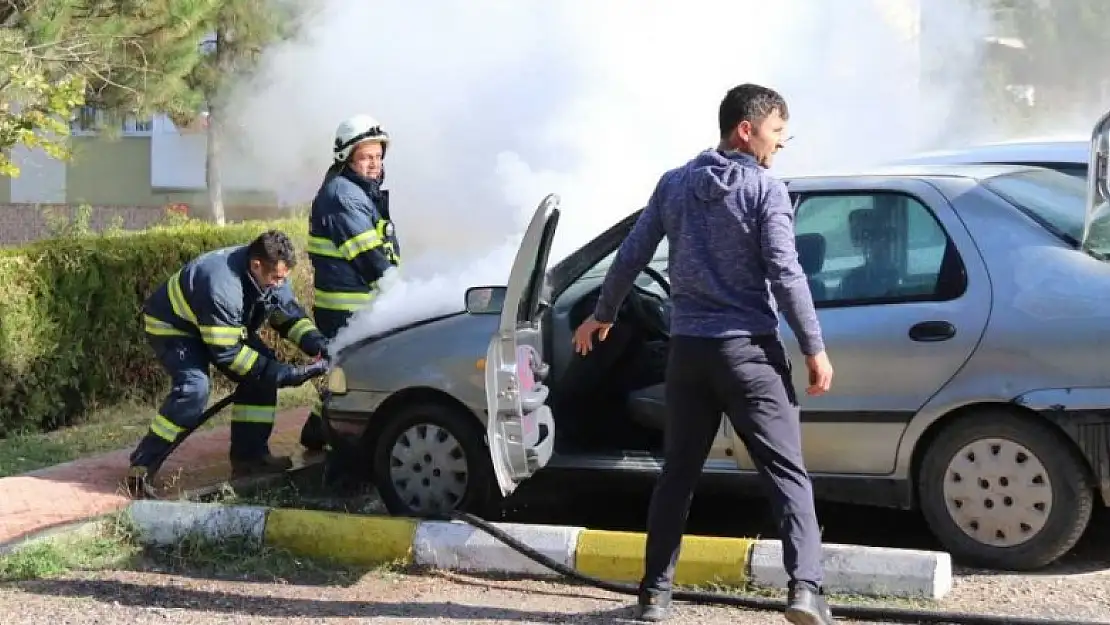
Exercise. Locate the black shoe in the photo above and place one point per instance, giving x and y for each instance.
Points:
(807, 606)
(261, 465)
(653, 607)
(138, 483)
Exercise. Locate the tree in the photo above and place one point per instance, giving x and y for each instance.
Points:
(1056, 47)
(240, 30)
(126, 56)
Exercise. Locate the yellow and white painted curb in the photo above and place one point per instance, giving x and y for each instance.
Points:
(615, 556)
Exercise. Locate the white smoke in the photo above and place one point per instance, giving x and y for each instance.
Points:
(492, 104)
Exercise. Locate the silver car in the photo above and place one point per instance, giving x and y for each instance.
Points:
(966, 309)
(1069, 156)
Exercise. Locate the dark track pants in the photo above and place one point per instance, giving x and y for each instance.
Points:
(749, 380)
(329, 322)
(187, 361)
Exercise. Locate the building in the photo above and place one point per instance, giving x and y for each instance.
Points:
(131, 178)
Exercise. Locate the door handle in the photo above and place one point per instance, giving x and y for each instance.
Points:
(932, 331)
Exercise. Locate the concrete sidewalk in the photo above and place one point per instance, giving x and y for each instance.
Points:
(88, 487)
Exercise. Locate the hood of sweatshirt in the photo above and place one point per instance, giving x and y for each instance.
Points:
(715, 174)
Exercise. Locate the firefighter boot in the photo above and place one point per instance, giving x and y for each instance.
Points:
(138, 483)
(268, 463)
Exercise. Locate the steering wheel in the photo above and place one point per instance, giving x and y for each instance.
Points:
(659, 279)
(651, 310)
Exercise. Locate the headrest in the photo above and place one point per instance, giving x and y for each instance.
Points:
(866, 225)
(811, 252)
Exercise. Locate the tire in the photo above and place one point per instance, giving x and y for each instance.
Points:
(993, 540)
(478, 492)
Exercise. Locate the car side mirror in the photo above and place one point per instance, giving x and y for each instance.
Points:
(485, 300)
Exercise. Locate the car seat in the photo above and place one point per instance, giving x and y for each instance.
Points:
(811, 255)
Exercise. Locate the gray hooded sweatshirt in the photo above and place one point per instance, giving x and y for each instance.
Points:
(730, 229)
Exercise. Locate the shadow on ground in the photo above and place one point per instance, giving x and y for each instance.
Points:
(176, 598)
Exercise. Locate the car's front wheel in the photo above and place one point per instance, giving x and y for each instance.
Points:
(430, 459)
(1004, 491)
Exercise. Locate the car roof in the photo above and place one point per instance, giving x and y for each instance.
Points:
(974, 171)
(1019, 151)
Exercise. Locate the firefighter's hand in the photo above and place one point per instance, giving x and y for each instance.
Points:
(296, 376)
(583, 336)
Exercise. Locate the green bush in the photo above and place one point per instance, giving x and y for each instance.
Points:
(71, 336)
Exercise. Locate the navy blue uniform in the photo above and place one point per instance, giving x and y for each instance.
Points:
(352, 244)
(209, 313)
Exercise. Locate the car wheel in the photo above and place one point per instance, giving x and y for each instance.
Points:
(431, 459)
(1003, 491)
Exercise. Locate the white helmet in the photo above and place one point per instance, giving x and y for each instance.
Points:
(356, 130)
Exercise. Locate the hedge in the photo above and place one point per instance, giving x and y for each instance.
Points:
(70, 334)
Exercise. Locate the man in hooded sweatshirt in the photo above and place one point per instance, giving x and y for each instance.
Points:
(730, 229)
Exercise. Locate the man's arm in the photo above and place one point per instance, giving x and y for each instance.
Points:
(784, 271)
(293, 325)
(222, 332)
(634, 254)
(358, 239)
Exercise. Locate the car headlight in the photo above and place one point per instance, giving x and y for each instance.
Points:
(337, 381)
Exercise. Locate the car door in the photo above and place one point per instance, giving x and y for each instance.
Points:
(902, 299)
(520, 428)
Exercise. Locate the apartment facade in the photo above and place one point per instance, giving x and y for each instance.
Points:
(132, 177)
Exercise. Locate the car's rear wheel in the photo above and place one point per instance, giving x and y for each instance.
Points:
(1004, 491)
(430, 459)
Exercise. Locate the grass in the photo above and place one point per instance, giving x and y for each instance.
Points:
(104, 431)
(112, 544)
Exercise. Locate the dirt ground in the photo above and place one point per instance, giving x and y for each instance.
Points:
(119, 598)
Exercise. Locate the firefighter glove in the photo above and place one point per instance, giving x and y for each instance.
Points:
(296, 376)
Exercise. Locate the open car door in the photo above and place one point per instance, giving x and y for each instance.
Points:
(520, 428)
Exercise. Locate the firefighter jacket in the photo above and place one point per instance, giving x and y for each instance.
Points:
(350, 241)
(215, 298)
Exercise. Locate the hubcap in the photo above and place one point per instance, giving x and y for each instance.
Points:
(428, 469)
(998, 492)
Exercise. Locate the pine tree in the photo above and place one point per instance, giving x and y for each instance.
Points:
(128, 56)
(240, 31)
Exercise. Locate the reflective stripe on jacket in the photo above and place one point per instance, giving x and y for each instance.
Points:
(351, 241)
(213, 298)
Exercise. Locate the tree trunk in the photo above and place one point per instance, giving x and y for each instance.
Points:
(213, 154)
(212, 168)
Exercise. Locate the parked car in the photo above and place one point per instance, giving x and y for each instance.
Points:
(964, 308)
(1069, 156)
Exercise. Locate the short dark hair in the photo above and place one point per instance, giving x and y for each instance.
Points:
(749, 102)
(271, 247)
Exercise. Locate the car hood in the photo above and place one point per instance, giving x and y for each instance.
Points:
(353, 347)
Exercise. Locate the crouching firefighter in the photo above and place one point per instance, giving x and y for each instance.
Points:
(210, 312)
(351, 238)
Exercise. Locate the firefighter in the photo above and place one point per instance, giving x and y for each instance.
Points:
(351, 239)
(210, 312)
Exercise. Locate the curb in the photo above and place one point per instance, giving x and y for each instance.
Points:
(614, 556)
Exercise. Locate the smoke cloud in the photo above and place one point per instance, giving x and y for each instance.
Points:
(492, 104)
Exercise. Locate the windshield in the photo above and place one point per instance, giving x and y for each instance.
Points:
(1058, 202)
(1055, 200)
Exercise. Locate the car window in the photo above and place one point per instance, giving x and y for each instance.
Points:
(1054, 200)
(658, 261)
(870, 248)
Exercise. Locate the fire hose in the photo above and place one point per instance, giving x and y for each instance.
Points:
(862, 613)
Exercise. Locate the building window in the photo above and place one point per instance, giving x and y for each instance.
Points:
(87, 120)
